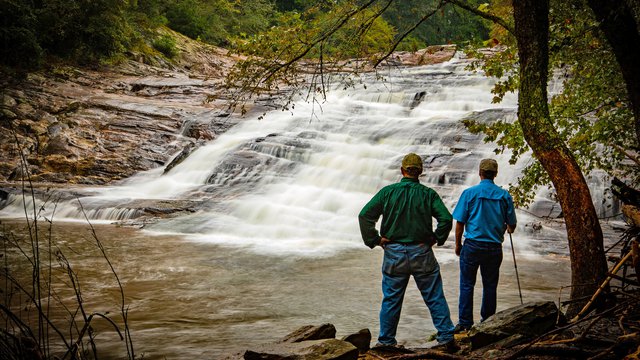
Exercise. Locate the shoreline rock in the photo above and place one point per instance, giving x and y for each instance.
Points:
(533, 331)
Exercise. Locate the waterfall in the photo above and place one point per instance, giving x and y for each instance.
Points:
(293, 182)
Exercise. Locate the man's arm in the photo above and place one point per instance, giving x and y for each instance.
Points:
(459, 232)
(511, 215)
(444, 219)
(367, 219)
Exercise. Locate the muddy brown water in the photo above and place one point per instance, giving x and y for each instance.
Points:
(200, 300)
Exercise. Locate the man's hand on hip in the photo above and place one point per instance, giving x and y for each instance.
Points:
(384, 241)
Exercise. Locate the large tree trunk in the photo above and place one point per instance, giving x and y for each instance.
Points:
(588, 263)
(619, 26)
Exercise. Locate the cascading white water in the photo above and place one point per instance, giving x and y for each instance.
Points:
(294, 182)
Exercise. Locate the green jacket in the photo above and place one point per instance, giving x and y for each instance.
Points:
(406, 208)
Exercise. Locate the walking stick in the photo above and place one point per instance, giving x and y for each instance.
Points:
(516, 266)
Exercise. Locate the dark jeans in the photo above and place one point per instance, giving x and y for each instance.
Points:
(400, 262)
(488, 257)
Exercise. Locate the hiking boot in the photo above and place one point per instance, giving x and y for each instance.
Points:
(459, 329)
(448, 347)
(391, 348)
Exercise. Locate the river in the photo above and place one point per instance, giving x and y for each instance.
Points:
(275, 244)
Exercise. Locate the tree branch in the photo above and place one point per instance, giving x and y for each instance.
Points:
(409, 31)
(322, 38)
(496, 19)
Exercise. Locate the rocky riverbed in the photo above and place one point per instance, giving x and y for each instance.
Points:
(94, 126)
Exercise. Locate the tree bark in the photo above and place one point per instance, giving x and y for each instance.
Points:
(618, 24)
(588, 262)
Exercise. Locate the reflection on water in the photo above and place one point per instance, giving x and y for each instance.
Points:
(190, 300)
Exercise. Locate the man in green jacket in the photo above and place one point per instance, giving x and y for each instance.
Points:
(406, 235)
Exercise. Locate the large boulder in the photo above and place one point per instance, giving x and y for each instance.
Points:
(308, 342)
(361, 340)
(311, 332)
(521, 322)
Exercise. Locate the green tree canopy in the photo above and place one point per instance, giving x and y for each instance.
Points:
(589, 108)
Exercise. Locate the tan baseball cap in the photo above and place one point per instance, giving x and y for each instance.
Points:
(412, 161)
(489, 165)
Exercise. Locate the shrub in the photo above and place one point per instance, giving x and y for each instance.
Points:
(166, 45)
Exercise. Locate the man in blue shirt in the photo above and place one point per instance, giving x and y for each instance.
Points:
(483, 213)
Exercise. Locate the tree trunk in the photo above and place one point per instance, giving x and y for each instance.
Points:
(588, 263)
(619, 26)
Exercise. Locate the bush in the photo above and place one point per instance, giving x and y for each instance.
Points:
(19, 45)
(166, 45)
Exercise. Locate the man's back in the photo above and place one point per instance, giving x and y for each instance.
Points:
(485, 209)
(407, 209)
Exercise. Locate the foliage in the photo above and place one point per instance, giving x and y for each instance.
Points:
(364, 35)
(88, 31)
(589, 109)
(293, 5)
(19, 46)
(84, 31)
(218, 21)
(450, 25)
(166, 45)
(190, 18)
(315, 40)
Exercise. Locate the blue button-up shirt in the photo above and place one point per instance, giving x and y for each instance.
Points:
(485, 209)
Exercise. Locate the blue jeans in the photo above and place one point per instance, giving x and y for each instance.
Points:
(400, 262)
(488, 257)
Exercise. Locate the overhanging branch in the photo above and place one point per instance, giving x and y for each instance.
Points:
(496, 19)
(409, 31)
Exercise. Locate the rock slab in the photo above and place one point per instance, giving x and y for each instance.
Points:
(528, 320)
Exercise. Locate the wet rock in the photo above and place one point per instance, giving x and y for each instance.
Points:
(528, 320)
(183, 154)
(161, 208)
(8, 114)
(8, 101)
(24, 110)
(429, 55)
(361, 340)
(417, 99)
(326, 349)
(200, 132)
(311, 332)
(58, 145)
(56, 128)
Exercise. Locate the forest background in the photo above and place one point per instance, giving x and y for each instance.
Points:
(94, 31)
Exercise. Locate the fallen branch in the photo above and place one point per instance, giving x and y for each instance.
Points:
(622, 346)
(523, 349)
(602, 287)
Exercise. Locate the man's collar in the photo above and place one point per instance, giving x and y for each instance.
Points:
(486, 180)
(405, 179)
